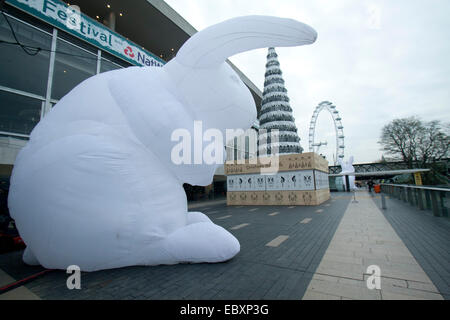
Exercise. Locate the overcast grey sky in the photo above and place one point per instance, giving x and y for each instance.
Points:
(375, 60)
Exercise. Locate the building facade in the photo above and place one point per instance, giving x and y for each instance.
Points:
(47, 47)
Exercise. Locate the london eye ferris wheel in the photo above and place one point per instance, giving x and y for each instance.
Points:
(339, 130)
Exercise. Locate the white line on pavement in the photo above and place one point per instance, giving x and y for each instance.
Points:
(224, 217)
(239, 226)
(277, 241)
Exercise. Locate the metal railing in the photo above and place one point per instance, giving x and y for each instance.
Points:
(425, 198)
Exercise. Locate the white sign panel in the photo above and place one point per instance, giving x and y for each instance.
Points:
(321, 179)
(290, 180)
(305, 180)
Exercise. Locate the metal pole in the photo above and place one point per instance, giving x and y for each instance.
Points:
(51, 68)
(99, 60)
(434, 204)
(420, 197)
(354, 197)
(428, 199)
(444, 204)
(383, 202)
(410, 198)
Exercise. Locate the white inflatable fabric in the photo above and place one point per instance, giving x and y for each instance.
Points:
(95, 185)
(347, 167)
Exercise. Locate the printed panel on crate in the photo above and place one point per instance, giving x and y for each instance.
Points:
(321, 180)
(290, 180)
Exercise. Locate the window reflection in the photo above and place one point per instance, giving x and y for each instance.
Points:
(107, 65)
(72, 66)
(18, 69)
(18, 113)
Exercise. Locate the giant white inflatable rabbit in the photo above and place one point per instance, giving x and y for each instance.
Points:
(347, 167)
(95, 185)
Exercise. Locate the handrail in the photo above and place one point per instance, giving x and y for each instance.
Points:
(433, 198)
(415, 187)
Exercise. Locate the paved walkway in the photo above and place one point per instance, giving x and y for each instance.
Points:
(427, 238)
(295, 252)
(205, 203)
(20, 293)
(281, 270)
(364, 238)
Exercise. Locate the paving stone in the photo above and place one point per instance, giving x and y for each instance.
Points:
(370, 238)
(426, 237)
(422, 286)
(344, 290)
(397, 296)
(315, 295)
(20, 293)
(282, 272)
(417, 294)
(337, 258)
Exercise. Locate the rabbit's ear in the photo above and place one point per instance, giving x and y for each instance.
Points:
(216, 43)
(350, 161)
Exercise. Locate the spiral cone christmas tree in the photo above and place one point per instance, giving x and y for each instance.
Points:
(280, 134)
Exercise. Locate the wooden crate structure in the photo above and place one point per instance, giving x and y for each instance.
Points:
(293, 179)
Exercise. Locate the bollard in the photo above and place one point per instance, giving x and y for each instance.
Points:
(354, 197)
(383, 202)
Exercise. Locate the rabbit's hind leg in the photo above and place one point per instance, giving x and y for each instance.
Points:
(29, 258)
(201, 241)
(195, 216)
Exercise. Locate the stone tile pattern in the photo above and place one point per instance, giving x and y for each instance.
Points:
(20, 293)
(427, 238)
(257, 272)
(364, 237)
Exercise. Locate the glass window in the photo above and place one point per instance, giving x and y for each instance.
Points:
(114, 59)
(72, 66)
(18, 69)
(18, 114)
(108, 66)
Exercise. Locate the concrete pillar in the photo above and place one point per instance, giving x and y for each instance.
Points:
(112, 21)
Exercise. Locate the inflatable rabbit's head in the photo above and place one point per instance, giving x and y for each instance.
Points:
(209, 86)
(347, 166)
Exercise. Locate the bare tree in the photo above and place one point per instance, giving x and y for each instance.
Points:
(415, 141)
